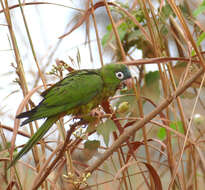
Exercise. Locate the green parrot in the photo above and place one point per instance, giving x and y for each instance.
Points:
(77, 94)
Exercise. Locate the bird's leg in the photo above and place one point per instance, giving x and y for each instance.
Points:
(93, 117)
(97, 112)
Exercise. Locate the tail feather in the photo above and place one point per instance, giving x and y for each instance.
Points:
(27, 121)
(35, 138)
(26, 114)
(31, 115)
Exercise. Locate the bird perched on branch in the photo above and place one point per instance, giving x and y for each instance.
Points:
(77, 94)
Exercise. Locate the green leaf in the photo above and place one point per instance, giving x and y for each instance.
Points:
(176, 125)
(199, 40)
(161, 133)
(109, 27)
(167, 11)
(152, 77)
(92, 144)
(164, 30)
(122, 30)
(200, 9)
(91, 128)
(105, 39)
(105, 129)
(151, 88)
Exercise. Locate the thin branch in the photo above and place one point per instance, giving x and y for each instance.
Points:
(126, 135)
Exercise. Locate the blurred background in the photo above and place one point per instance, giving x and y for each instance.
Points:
(63, 37)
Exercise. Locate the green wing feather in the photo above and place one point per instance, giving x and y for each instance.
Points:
(77, 89)
(35, 138)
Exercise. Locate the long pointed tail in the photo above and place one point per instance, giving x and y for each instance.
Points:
(35, 138)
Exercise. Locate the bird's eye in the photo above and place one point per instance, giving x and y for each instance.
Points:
(119, 75)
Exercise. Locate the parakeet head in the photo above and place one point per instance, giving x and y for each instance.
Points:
(113, 74)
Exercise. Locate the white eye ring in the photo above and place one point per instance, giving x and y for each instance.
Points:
(119, 75)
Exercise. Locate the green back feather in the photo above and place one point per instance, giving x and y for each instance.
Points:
(69, 93)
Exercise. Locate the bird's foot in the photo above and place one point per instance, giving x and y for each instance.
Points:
(97, 113)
